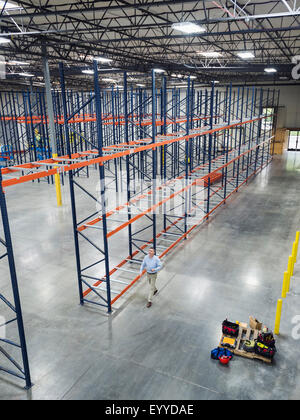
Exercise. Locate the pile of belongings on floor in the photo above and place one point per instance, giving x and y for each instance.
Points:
(221, 354)
(264, 345)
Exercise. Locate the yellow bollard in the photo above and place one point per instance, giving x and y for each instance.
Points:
(294, 253)
(292, 266)
(291, 262)
(278, 316)
(285, 284)
(290, 271)
(57, 187)
(58, 190)
(297, 244)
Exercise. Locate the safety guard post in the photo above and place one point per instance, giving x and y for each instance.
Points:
(57, 186)
(290, 271)
(292, 264)
(296, 246)
(294, 252)
(285, 284)
(278, 316)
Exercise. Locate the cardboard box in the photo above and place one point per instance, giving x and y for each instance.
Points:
(282, 136)
(255, 324)
(277, 148)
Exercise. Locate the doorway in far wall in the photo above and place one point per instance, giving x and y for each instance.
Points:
(269, 122)
(294, 141)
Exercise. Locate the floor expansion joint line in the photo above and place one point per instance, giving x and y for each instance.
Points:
(161, 372)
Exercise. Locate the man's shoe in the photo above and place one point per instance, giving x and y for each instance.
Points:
(149, 304)
(156, 291)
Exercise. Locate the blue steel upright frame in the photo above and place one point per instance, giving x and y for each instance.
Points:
(238, 154)
(21, 369)
(83, 277)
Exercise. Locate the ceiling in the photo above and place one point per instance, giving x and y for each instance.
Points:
(138, 35)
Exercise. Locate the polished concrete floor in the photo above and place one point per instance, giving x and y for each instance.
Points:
(231, 268)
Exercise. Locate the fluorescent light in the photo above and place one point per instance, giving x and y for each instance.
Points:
(9, 5)
(177, 75)
(25, 74)
(193, 77)
(103, 60)
(140, 85)
(159, 70)
(108, 80)
(246, 54)
(4, 40)
(270, 70)
(18, 63)
(88, 71)
(216, 81)
(188, 27)
(210, 54)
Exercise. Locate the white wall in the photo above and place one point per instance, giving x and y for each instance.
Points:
(289, 111)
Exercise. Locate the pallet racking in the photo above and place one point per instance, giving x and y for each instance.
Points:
(170, 157)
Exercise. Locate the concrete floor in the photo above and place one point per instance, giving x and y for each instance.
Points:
(231, 268)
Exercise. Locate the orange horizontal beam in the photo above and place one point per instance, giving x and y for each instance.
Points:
(166, 251)
(92, 117)
(106, 121)
(102, 160)
(196, 182)
(138, 198)
(125, 261)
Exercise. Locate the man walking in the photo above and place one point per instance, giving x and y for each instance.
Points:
(153, 265)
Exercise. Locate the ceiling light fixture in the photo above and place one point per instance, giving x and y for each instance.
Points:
(88, 71)
(18, 63)
(8, 5)
(210, 54)
(245, 54)
(159, 70)
(25, 74)
(270, 70)
(103, 60)
(109, 80)
(188, 27)
(4, 40)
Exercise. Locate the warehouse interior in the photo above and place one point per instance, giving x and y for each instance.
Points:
(133, 125)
